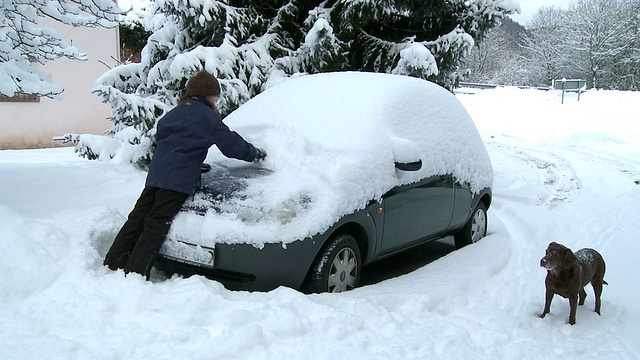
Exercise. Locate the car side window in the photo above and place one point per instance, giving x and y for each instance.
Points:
(445, 181)
(464, 186)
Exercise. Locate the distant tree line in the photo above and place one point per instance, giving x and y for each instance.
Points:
(595, 40)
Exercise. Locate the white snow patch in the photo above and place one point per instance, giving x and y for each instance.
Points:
(59, 214)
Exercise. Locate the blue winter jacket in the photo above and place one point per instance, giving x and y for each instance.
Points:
(183, 138)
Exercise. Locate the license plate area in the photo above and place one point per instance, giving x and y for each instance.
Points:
(188, 253)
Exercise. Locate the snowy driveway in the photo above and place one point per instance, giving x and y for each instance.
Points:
(570, 181)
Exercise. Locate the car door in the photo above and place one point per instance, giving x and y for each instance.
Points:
(416, 212)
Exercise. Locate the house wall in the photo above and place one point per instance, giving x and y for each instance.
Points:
(34, 124)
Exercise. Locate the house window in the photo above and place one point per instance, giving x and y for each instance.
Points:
(19, 97)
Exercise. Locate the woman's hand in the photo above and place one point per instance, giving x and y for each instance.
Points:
(259, 155)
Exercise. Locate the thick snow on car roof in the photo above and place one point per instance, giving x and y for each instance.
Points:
(332, 140)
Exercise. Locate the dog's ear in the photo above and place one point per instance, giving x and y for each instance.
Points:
(570, 259)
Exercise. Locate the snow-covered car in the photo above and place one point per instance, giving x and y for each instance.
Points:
(360, 166)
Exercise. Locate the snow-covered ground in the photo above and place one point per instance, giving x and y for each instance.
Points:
(566, 173)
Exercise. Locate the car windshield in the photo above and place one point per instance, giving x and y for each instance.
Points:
(225, 181)
(220, 184)
(332, 142)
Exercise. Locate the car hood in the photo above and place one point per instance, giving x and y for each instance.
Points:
(236, 202)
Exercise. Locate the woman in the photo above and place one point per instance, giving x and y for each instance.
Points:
(183, 138)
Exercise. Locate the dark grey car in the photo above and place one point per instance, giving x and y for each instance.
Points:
(361, 166)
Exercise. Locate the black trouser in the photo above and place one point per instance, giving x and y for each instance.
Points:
(141, 237)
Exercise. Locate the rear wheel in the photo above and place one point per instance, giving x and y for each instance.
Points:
(475, 229)
(337, 267)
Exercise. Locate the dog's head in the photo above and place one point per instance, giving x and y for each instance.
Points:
(558, 257)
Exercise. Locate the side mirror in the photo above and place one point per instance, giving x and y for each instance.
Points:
(411, 166)
(406, 154)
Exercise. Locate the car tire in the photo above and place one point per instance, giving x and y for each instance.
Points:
(337, 266)
(475, 229)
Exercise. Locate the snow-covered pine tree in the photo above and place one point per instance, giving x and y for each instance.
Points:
(24, 45)
(254, 44)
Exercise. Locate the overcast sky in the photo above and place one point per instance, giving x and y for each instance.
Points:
(530, 7)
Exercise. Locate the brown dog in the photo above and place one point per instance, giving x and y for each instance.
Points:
(569, 273)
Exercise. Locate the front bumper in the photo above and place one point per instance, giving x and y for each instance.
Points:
(245, 267)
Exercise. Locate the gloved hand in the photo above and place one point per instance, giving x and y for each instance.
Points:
(259, 155)
(204, 168)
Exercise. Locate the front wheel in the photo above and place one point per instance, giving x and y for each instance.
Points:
(475, 229)
(337, 267)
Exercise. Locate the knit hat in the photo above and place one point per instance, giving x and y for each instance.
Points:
(202, 84)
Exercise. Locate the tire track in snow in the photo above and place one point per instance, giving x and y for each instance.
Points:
(629, 165)
(556, 177)
(611, 173)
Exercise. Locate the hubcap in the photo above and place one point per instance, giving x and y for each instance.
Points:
(343, 272)
(478, 226)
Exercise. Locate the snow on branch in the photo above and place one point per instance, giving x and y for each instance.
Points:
(24, 45)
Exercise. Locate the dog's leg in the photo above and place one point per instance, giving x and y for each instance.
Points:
(597, 289)
(583, 296)
(573, 307)
(547, 303)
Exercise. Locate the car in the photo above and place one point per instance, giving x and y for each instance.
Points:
(360, 166)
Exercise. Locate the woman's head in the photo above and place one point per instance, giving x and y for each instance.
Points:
(201, 84)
